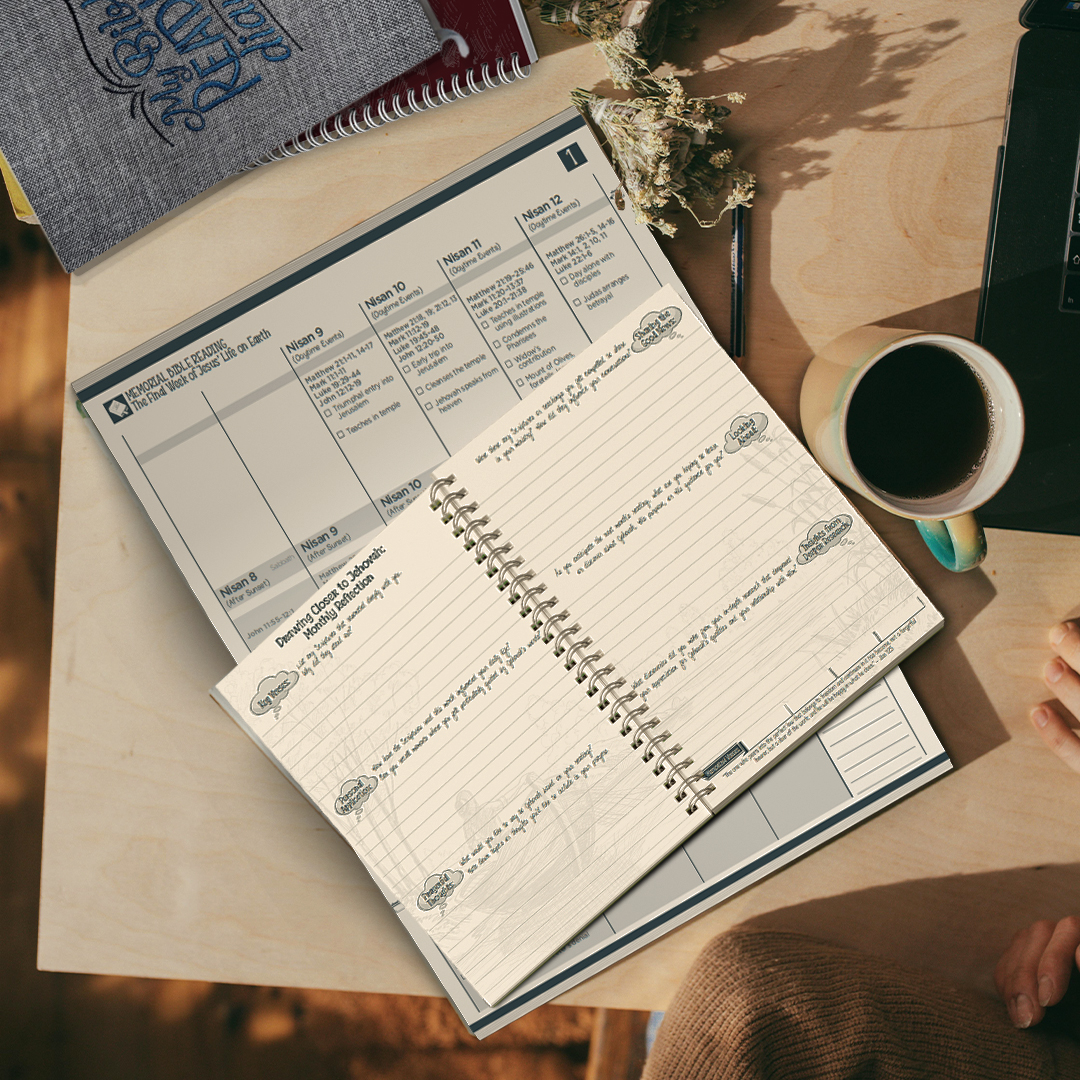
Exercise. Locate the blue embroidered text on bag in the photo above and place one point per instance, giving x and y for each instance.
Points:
(114, 113)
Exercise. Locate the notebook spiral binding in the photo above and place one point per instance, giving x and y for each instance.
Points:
(334, 129)
(525, 592)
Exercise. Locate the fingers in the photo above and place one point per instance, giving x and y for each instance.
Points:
(1057, 734)
(1035, 970)
(1057, 960)
(1065, 638)
(1034, 973)
(1061, 677)
(1060, 674)
(1017, 973)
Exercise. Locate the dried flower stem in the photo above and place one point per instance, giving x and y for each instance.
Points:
(630, 34)
(665, 149)
(664, 144)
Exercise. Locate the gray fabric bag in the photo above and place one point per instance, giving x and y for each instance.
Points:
(114, 113)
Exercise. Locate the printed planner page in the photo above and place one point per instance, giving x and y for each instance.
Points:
(721, 573)
(432, 725)
(272, 437)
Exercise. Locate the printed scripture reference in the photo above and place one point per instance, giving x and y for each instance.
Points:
(275, 444)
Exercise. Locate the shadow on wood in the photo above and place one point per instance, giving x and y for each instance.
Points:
(956, 927)
(86, 1027)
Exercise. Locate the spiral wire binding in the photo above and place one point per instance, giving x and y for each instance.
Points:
(524, 591)
(333, 129)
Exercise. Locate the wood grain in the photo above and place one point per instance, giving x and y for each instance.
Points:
(172, 848)
(82, 1027)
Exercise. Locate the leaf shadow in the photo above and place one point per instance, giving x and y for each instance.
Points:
(845, 72)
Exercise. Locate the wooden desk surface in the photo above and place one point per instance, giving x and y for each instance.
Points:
(173, 848)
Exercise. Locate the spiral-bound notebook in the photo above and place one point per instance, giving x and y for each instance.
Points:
(485, 44)
(622, 603)
(115, 113)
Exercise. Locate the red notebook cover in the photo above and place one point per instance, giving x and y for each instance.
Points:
(485, 44)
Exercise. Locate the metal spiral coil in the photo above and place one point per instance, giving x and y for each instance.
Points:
(609, 689)
(596, 677)
(577, 651)
(475, 525)
(386, 112)
(485, 538)
(455, 521)
(564, 634)
(577, 646)
(539, 613)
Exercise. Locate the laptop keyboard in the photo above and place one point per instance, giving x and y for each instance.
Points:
(1070, 286)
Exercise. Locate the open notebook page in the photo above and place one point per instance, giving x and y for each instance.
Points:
(679, 521)
(438, 732)
(456, 755)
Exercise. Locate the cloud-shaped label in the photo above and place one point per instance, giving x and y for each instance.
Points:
(438, 888)
(656, 326)
(354, 793)
(822, 536)
(272, 691)
(744, 430)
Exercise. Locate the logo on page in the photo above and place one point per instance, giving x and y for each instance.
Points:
(733, 753)
(656, 326)
(823, 535)
(438, 888)
(118, 409)
(354, 793)
(744, 430)
(272, 691)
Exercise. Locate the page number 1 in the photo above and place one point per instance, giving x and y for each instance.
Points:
(571, 157)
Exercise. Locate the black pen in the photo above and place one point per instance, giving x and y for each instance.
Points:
(738, 299)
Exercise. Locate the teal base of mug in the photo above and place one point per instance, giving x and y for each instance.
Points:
(949, 550)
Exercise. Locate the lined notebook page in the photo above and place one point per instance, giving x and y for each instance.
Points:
(699, 545)
(456, 755)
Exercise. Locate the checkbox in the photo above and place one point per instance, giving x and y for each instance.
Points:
(509, 362)
(496, 343)
(564, 281)
(341, 434)
(419, 391)
(430, 405)
(577, 301)
(328, 412)
(406, 367)
(483, 324)
(521, 382)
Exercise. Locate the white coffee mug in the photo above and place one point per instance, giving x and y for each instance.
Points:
(945, 519)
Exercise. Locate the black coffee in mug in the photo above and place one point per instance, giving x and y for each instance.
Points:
(918, 423)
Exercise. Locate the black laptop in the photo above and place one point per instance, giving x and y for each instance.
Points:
(1029, 308)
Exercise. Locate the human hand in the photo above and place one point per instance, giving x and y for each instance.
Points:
(1035, 970)
(1060, 675)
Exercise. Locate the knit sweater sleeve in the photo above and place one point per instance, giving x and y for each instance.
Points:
(771, 1005)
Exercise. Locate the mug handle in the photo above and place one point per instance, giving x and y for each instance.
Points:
(957, 543)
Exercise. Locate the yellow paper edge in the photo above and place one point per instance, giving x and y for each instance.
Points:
(19, 202)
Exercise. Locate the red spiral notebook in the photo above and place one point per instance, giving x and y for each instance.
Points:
(485, 45)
